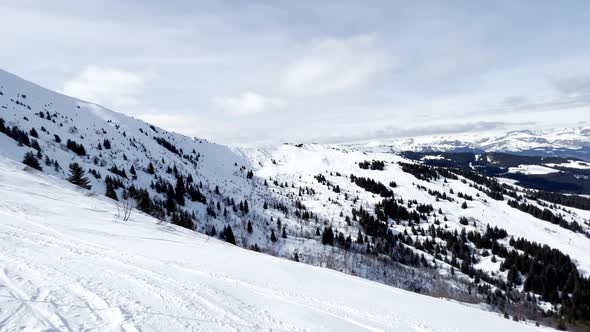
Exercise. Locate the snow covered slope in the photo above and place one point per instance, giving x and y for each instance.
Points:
(67, 264)
(435, 231)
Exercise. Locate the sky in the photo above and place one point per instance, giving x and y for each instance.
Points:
(268, 72)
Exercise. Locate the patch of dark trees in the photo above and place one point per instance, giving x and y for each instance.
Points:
(546, 215)
(373, 165)
(372, 186)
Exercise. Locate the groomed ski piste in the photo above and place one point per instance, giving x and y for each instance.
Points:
(67, 263)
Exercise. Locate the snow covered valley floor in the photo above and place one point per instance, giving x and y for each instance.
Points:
(68, 264)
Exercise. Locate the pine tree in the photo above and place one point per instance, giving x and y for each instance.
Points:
(273, 238)
(464, 205)
(110, 189)
(133, 172)
(328, 236)
(249, 227)
(77, 176)
(31, 160)
(229, 235)
(284, 235)
(359, 238)
(179, 191)
(151, 169)
(35, 145)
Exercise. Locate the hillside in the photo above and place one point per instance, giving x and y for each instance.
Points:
(444, 231)
(68, 264)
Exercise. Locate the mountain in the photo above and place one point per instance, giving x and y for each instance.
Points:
(560, 142)
(70, 266)
(441, 230)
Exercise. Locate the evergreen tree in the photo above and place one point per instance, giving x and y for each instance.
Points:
(284, 235)
(328, 236)
(170, 203)
(246, 209)
(35, 145)
(110, 189)
(249, 227)
(273, 238)
(151, 169)
(229, 235)
(133, 172)
(179, 191)
(77, 176)
(31, 160)
(359, 238)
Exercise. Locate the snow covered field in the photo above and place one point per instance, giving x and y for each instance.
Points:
(67, 264)
(532, 170)
(572, 164)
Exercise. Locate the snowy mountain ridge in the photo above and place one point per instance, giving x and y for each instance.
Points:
(365, 212)
(567, 142)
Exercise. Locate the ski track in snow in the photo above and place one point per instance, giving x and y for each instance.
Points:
(66, 264)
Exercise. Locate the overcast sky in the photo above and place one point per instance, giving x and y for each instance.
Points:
(257, 72)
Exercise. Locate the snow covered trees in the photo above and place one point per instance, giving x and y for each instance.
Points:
(228, 235)
(76, 148)
(150, 168)
(179, 191)
(31, 160)
(110, 189)
(328, 236)
(77, 176)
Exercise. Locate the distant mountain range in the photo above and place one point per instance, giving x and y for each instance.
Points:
(561, 142)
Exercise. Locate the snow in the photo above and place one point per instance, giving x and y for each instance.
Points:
(432, 157)
(549, 139)
(532, 170)
(67, 264)
(300, 164)
(150, 247)
(572, 164)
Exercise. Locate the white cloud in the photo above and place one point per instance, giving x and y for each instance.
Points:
(106, 86)
(248, 102)
(333, 65)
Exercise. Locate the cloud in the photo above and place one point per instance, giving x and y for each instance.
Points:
(573, 84)
(107, 86)
(334, 65)
(247, 103)
(391, 132)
